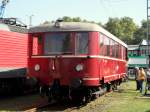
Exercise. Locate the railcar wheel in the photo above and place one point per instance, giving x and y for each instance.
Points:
(109, 87)
(89, 96)
(94, 96)
(79, 99)
(88, 99)
(76, 100)
(114, 86)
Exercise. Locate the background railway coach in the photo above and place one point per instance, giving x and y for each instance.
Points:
(13, 55)
(75, 60)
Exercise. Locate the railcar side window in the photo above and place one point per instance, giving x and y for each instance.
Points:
(107, 43)
(122, 54)
(117, 49)
(82, 43)
(101, 44)
(125, 55)
(109, 47)
(113, 49)
(58, 43)
(106, 48)
(37, 46)
(39, 39)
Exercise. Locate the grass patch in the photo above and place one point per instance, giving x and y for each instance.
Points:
(126, 99)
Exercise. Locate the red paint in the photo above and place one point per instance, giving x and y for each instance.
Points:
(13, 49)
(64, 68)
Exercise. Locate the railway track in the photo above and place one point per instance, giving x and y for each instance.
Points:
(33, 103)
(36, 107)
(56, 106)
(53, 106)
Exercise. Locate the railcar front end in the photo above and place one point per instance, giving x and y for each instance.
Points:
(65, 59)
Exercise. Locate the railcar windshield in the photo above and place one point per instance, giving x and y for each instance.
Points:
(66, 43)
(82, 42)
(57, 43)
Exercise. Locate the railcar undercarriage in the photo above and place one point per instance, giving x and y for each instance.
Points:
(79, 95)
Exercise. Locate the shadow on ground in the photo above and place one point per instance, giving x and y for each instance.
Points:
(17, 102)
(27, 102)
(147, 111)
(62, 106)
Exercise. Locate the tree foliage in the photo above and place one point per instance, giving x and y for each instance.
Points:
(113, 26)
(124, 28)
(128, 28)
(141, 33)
(69, 19)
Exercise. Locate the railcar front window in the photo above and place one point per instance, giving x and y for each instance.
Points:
(82, 43)
(58, 43)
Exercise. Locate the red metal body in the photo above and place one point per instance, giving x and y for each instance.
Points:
(14, 46)
(13, 51)
(96, 67)
(102, 64)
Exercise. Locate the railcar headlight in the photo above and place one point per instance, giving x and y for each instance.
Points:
(37, 67)
(79, 67)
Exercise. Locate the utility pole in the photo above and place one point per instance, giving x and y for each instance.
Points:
(30, 20)
(148, 28)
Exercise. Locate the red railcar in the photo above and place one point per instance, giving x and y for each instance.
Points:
(75, 60)
(13, 55)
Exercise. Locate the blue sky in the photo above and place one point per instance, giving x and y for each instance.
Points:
(94, 10)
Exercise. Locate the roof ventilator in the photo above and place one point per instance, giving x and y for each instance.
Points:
(58, 23)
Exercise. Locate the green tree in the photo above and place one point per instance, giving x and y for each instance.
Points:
(141, 33)
(76, 19)
(113, 26)
(123, 28)
(67, 19)
(128, 29)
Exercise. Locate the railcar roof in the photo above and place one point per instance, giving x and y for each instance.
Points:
(13, 28)
(73, 26)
